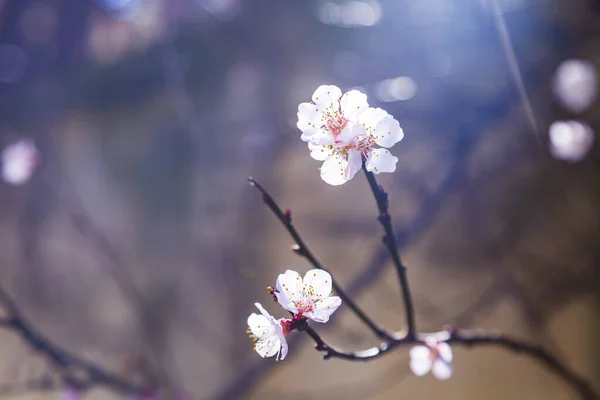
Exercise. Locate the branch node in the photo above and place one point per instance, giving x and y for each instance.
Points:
(384, 217)
(287, 216)
(298, 250)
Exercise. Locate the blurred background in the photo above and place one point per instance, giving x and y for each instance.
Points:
(138, 245)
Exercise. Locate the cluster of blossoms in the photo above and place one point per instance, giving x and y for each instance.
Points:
(308, 298)
(435, 356)
(343, 131)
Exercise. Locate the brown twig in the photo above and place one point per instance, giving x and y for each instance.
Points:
(301, 249)
(468, 338)
(381, 197)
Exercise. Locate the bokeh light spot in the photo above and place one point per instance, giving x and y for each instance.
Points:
(397, 89)
(570, 140)
(222, 9)
(116, 5)
(351, 14)
(575, 84)
(13, 63)
(38, 23)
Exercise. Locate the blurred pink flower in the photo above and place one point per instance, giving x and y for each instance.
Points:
(434, 356)
(19, 161)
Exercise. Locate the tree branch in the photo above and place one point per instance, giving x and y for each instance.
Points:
(381, 197)
(302, 249)
(468, 338)
(69, 366)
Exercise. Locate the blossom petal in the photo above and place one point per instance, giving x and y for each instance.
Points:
(289, 290)
(353, 103)
(420, 363)
(442, 370)
(317, 284)
(284, 349)
(420, 352)
(388, 132)
(268, 346)
(350, 132)
(371, 117)
(260, 326)
(381, 160)
(314, 136)
(263, 311)
(337, 169)
(444, 351)
(309, 120)
(327, 98)
(319, 152)
(323, 308)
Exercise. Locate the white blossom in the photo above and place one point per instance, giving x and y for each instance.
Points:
(309, 297)
(570, 140)
(435, 356)
(19, 161)
(343, 131)
(268, 334)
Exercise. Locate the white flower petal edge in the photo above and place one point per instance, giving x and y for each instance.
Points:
(339, 169)
(441, 370)
(353, 103)
(309, 297)
(327, 97)
(381, 160)
(435, 356)
(267, 334)
(420, 363)
(388, 132)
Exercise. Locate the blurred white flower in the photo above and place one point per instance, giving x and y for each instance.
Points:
(575, 85)
(342, 131)
(268, 334)
(435, 356)
(19, 161)
(309, 297)
(570, 140)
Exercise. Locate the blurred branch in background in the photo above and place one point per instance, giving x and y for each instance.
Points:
(74, 371)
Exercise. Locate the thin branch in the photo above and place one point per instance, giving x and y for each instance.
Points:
(468, 338)
(69, 365)
(478, 338)
(390, 241)
(302, 249)
(406, 234)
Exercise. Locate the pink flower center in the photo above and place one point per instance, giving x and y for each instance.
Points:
(286, 326)
(434, 353)
(304, 306)
(336, 124)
